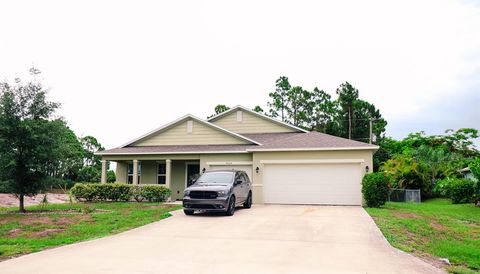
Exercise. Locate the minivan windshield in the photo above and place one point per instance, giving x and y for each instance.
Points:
(216, 178)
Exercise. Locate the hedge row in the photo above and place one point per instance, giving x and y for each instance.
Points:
(458, 190)
(119, 192)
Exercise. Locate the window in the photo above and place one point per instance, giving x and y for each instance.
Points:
(162, 173)
(216, 177)
(130, 173)
(245, 177)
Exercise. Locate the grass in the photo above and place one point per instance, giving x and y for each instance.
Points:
(434, 228)
(61, 224)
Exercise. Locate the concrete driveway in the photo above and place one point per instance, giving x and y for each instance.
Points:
(264, 239)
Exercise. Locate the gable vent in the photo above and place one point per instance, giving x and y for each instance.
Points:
(239, 116)
(189, 126)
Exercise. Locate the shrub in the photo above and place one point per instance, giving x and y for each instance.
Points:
(375, 189)
(137, 193)
(119, 192)
(462, 191)
(442, 188)
(102, 191)
(84, 192)
(154, 193)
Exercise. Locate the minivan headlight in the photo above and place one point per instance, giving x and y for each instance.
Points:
(222, 193)
(186, 193)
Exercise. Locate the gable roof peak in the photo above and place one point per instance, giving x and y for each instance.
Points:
(258, 114)
(195, 118)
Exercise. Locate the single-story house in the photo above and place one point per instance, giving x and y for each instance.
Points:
(286, 164)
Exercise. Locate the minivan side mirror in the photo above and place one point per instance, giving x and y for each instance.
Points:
(237, 182)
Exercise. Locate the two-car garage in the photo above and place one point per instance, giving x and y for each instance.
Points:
(310, 182)
(302, 177)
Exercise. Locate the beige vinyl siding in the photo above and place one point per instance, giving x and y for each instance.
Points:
(240, 157)
(201, 135)
(250, 124)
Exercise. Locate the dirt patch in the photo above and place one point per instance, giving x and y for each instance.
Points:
(406, 215)
(437, 225)
(32, 219)
(7, 219)
(14, 232)
(46, 232)
(53, 198)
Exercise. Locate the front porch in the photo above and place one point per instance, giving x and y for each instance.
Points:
(176, 174)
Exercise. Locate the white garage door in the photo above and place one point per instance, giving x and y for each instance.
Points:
(246, 168)
(328, 184)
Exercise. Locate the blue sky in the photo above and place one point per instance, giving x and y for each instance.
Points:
(122, 68)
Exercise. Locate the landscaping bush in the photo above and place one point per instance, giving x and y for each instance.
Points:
(154, 193)
(462, 191)
(84, 192)
(119, 192)
(375, 189)
(137, 193)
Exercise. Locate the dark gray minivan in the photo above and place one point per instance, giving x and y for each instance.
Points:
(218, 191)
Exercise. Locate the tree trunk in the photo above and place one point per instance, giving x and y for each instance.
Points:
(22, 206)
(349, 123)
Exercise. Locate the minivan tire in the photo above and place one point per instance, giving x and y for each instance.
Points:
(188, 212)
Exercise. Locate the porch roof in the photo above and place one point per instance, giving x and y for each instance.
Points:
(269, 142)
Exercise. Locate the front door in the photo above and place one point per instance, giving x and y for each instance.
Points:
(193, 170)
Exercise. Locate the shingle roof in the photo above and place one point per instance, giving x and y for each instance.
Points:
(311, 139)
(269, 141)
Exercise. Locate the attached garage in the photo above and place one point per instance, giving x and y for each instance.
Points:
(322, 182)
(243, 166)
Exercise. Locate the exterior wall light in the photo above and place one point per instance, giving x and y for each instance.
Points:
(203, 170)
(367, 169)
(257, 169)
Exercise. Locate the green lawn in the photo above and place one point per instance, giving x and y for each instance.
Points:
(435, 228)
(61, 224)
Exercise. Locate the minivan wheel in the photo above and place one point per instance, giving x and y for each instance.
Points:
(231, 207)
(248, 202)
(188, 212)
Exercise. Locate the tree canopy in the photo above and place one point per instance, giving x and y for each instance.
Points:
(27, 136)
(35, 145)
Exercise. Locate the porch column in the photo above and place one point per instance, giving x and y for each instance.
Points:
(168, 172)
(135, 172)
(168, 175)
(104, 172)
